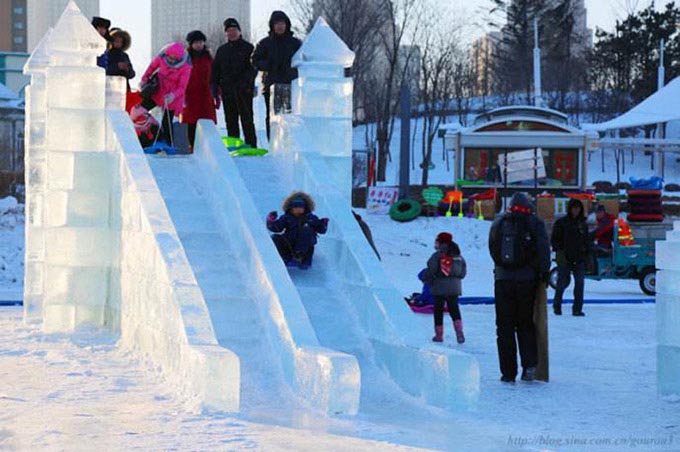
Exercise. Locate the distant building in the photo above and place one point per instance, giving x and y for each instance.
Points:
(11, 71)
(13, 26)
(483, 51)
(583, 34)
(43, 14)
(11, 139)
(172, 19)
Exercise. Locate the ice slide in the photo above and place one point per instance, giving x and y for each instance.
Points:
(173, 254)
(270, 316)
(254, 309)
(352, 306)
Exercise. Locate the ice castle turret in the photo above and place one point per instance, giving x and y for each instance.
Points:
(668, 314)
(69, 242)
(322, 98)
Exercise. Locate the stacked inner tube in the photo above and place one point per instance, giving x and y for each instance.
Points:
(645, 205)
(405, 210)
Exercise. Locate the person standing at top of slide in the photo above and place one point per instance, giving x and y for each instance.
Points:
(198, 102)
(172, 69)
(273, 56)
(102, 26)
(234, 74)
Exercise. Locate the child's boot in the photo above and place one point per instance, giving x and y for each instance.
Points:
(458, 326)
(438, 334)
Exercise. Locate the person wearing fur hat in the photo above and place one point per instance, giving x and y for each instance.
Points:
(102, 26)
(234, 74)
(296, 230)
(172, 66)
(118, 61)
(445, 271)
(199, 103)
(273, 56)
(520, 249)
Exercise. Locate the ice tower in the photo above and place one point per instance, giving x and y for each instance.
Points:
(668, 314)
(70, 177)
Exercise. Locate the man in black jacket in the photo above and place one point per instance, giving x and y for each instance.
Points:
(571, 244)
(273, 56)
(234, 74)
(519, 246)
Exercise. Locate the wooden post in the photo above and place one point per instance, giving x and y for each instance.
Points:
(541, 325)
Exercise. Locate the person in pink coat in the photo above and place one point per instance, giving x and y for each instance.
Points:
(173, 69)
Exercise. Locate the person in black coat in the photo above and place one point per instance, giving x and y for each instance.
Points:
(296, 230)
(234, 74)
(102, 26)
(571, 244)
(117, 60)
(519, 246)
(273, 56)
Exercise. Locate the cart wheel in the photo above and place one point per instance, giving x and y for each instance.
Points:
(648, 281)
(553, 278)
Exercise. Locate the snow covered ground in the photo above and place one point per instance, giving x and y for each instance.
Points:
(66, 393)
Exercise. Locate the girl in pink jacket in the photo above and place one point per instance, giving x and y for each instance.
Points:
(173, 69)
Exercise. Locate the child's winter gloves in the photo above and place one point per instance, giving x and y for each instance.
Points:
(325, 221)
(272, 216)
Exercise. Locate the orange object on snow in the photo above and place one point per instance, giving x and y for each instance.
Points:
(453, 196)
(624, 234)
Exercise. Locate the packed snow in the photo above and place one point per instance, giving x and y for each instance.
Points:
(66, 392)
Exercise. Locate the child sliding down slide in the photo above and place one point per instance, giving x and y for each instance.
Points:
(296, 230)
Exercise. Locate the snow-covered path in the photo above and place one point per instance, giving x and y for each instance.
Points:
(67, 394)
(64, 393)
(60, 393)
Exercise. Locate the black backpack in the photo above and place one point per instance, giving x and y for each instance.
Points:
(515, 244)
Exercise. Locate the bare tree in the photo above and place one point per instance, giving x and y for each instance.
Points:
(355, 22)
(439, 83)
(402, 22)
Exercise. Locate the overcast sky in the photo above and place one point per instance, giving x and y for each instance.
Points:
(134, 15)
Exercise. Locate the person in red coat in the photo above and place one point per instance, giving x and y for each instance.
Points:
(199, 102)
(604, 234)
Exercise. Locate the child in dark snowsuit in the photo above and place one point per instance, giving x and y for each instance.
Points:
(445, 271)
(296, 230)
(424, 297)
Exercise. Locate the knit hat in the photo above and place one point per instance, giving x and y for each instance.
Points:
(196, 35)
(298, 202)
(601, 208)
(100, 22)
(231, 22)
(444, 237)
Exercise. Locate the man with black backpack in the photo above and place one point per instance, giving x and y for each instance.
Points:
(520, 248)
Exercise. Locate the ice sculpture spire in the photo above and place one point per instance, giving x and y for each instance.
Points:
(323, 45)
(69, 179)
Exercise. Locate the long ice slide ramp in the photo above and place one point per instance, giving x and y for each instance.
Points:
(348, 298)
(255, 310)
